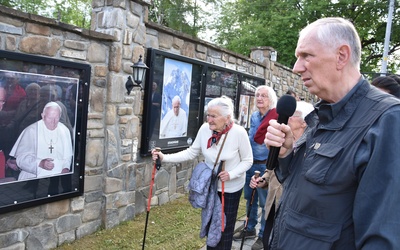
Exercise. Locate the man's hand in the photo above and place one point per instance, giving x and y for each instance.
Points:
(279, 135)
(47, 164)
(12, 163)
(65, 170)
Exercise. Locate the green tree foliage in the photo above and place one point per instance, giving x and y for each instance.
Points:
(74, 12)
(187, 16)
(244, 24)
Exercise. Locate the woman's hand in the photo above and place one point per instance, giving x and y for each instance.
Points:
(224, 176)
(157, 155)
(256, 182)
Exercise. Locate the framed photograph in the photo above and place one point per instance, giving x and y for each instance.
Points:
(247, 91)
(175, 101)
(172, 102)
(176, 94)
(244, 110)
(43, 116)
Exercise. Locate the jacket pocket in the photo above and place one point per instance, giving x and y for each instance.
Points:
(305, 232)
(320, 159)
(311, 227)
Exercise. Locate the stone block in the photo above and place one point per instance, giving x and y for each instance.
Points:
(67, 223)
(94, 153)
(11, 43)
(42, 237)
(92, 211)
(97, 53)
(10, 239)
(94, 196)
(66, 237)
(93, 183)
(88, 228)
(112, 185)
(38, 29)
(21, 219)
(40, 45)
(56, 209)
(77, 204)
(115, 58)
(100, 70)
(10, 29)
(111, 218)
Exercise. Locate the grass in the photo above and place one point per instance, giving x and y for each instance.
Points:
(175, 225)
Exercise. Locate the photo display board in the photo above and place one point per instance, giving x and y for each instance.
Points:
(177, 91)
(43, 117)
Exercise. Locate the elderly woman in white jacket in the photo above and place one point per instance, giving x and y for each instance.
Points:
(236, 153)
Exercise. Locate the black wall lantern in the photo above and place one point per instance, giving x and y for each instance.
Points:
(139, 71)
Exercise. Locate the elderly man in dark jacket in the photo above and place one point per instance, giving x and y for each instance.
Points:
(340, 185)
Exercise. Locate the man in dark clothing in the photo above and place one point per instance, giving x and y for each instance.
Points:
(340, 185)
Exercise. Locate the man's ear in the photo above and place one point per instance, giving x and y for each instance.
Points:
(343, 56)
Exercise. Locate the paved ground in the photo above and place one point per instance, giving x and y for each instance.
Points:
(247, 243)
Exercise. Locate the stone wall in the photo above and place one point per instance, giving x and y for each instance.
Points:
(117, 179)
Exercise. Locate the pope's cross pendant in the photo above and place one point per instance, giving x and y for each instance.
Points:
(51, 146)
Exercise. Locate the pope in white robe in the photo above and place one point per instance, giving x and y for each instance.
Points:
(44, 148)
(174, 123)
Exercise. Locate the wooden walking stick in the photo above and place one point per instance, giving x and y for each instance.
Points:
(256, 174)
(157, 166)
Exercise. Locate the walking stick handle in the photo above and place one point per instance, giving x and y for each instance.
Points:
(257, 173)
(158, 161)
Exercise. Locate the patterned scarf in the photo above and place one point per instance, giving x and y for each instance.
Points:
(217, 135)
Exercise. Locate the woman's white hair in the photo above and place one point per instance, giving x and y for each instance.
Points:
(271, 95)
(225, 105)
(304, 108)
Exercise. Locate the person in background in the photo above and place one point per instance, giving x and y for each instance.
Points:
(14, 96)
(44, 148)
(236, 153)
(390, 84)
(265, 102)
(268, 180)
(292, 93)
(26, 107)
(3, 95)
(174, 123)
(339, 184)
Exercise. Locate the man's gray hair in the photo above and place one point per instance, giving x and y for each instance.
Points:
(334, 32)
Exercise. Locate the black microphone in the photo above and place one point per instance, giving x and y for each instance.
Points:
(285, 108)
